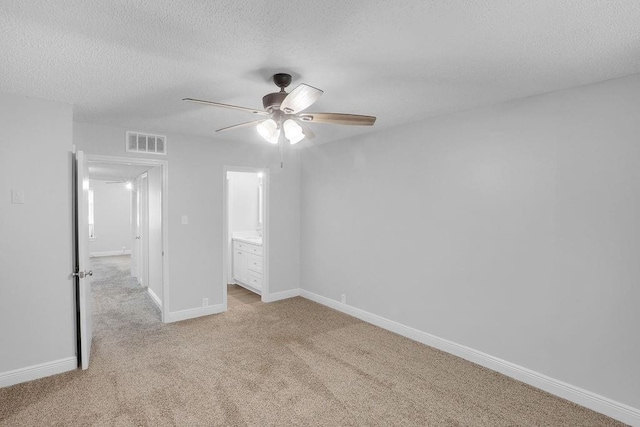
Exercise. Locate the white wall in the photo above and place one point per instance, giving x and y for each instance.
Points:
(243, 201)
(112, 217)
(511, 229)
(37, 324)
(196, 182)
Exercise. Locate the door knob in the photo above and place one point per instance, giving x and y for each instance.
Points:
(137, 237)
(83, 274)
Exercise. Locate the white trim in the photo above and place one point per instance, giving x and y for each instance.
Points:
(165, 240)
(164, 164)
(176, 316)
(34, 372)
(110, 253)
(227, 244)
(266, 234)
(596, 402)
(157, 301)
(277, 296)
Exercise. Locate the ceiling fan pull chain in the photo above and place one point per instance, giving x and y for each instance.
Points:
(281, 150)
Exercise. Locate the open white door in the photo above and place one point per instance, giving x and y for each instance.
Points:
(143, 214)
(83, 273)
(135, 231)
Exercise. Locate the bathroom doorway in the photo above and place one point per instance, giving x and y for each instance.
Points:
(246, 235)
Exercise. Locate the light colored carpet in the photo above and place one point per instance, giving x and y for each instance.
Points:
(292, 362)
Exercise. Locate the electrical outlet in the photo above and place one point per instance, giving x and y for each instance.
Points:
(343, 298)
(17, 196)
(205, 302)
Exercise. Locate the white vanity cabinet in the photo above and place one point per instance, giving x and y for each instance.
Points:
(248, 264)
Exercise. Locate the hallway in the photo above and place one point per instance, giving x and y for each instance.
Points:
(119, 303)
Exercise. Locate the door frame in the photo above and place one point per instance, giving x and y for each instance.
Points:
(226, 239)
(164, 167)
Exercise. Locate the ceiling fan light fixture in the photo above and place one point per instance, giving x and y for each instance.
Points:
(287, 113)
(293, 131)
(268, 129)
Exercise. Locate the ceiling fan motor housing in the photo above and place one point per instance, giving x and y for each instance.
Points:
(272, 101)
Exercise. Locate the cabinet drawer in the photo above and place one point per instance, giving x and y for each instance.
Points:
(247, 247)
(253, 249)
(255, 263)
(255, 279)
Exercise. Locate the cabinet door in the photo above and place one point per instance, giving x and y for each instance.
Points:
(240, 266)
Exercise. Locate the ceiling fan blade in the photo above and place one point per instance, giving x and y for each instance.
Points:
(338, 119)
(300, 98)
(241, 125)
(233, 107)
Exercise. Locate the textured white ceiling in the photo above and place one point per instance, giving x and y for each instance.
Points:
(129, 63)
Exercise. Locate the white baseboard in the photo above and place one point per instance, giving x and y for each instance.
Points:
(155, 298)
(34, 372)
(176, 316)
(109, 253)
(277, 296)
(596, 402)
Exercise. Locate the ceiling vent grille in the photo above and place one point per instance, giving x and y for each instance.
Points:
(146, 143)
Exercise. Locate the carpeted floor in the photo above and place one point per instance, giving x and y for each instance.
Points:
(292, 362)
(120, 303)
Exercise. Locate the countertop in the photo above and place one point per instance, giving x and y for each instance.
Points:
(251, 240)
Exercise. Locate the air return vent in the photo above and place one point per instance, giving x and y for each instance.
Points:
(146, 143)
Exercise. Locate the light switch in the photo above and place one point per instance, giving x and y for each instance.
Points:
(17, 196)
(185, 219)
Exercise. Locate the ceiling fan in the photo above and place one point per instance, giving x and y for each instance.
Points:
(286, 113)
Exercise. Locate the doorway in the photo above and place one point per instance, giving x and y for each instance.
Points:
(140, 244)
(246, 234)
